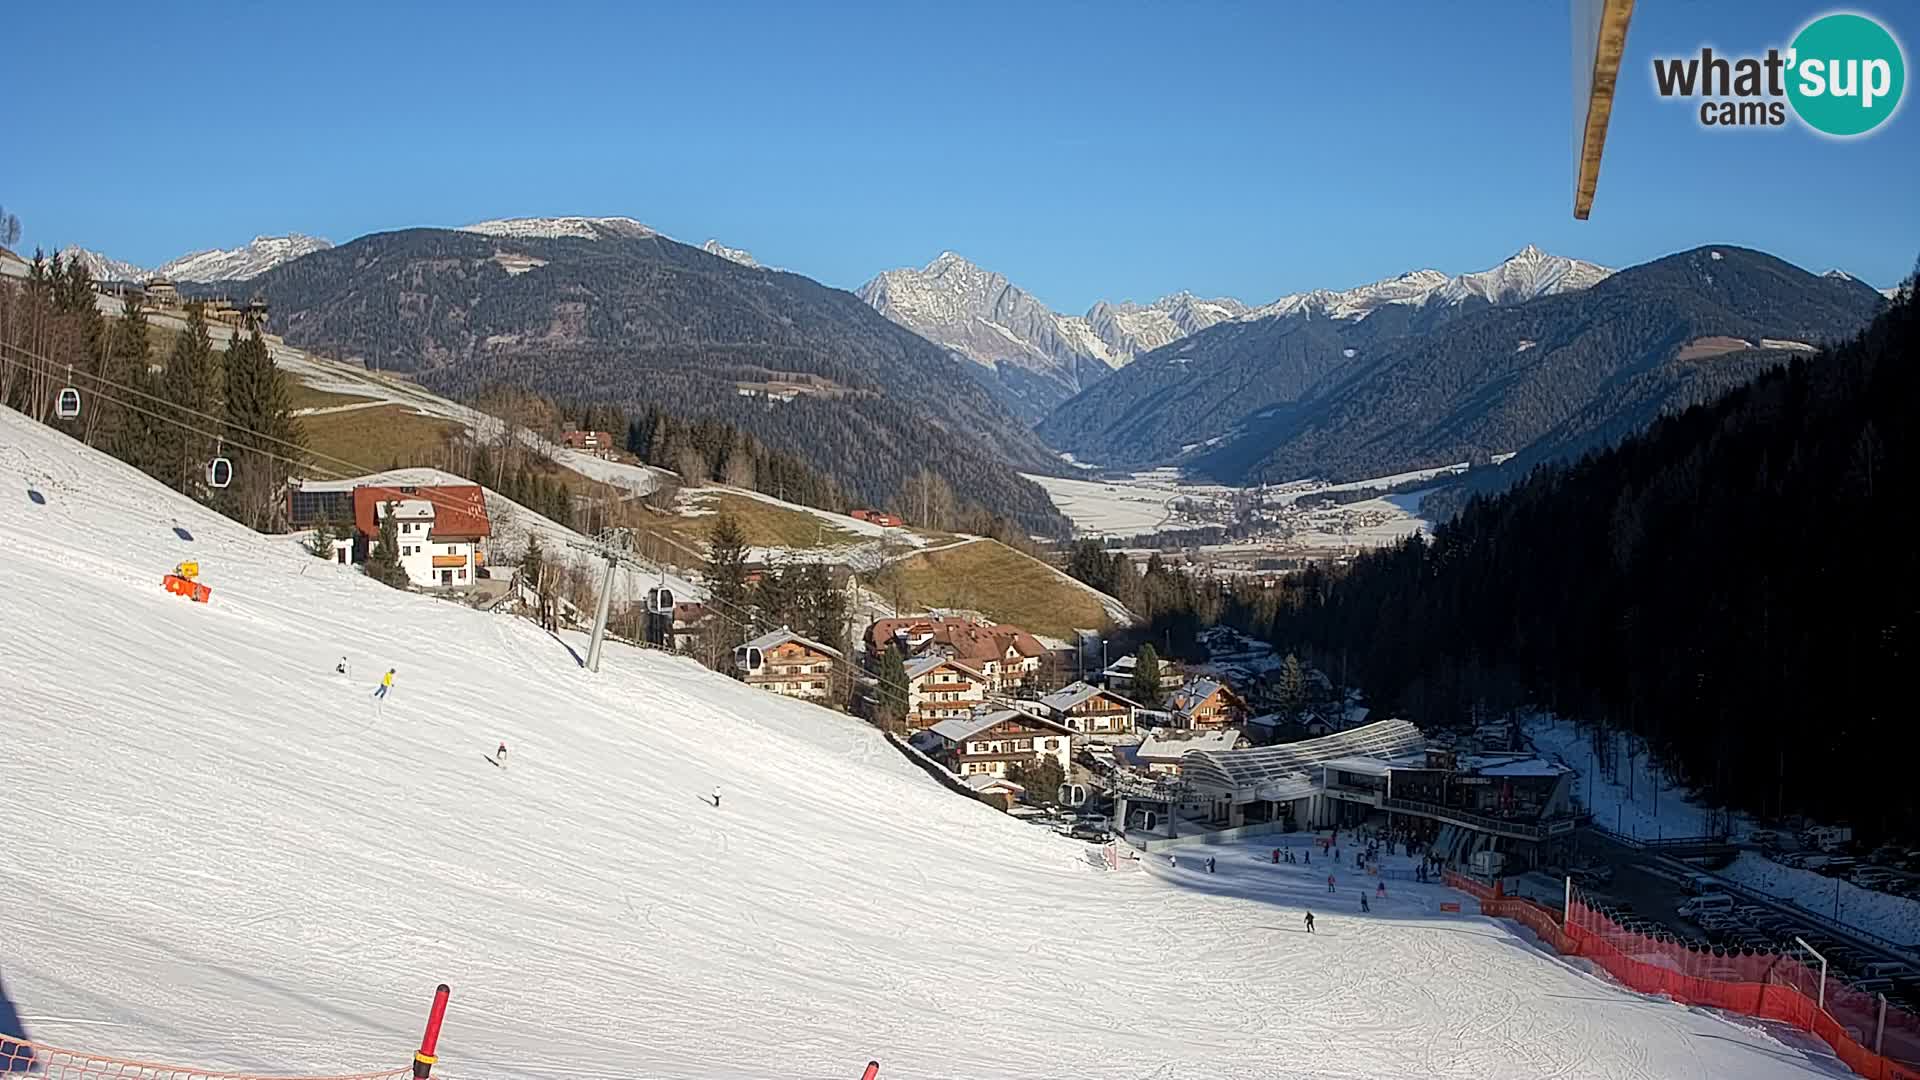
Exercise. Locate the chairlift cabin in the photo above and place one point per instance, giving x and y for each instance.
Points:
(749, 658)
(1072, 795)
(219, 472)
(68, 405)
(660, 600)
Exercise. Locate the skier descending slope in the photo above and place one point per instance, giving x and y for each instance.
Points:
(716, 796)
(500, 755)
(386, 684)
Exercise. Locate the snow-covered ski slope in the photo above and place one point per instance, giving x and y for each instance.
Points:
(220, 853)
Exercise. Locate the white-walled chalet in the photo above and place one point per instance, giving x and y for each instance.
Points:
(440, 530)
(941, 688)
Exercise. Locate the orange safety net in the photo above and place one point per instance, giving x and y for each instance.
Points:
(1765, 985)
(18, 1056)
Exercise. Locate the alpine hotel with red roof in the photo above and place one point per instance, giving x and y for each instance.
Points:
(440, 530)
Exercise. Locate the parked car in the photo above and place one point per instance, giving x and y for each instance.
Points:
(1695, 884)
(1713, 903)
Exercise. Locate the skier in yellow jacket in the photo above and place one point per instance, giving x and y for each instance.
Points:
(386, 684)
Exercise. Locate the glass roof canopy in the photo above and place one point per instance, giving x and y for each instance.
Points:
(1287, 772)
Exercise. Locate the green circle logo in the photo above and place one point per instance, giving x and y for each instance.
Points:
(1847, 74)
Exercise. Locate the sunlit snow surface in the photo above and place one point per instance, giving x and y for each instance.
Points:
(221, 853)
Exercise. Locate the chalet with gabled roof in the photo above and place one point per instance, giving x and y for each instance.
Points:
(441, 530)
(941, 688)
(791, 665)
(1204, 704)
(988, 743)
(1091, 711)
(1007, 655)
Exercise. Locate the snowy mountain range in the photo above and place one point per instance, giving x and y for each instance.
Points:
(551, 228)
(257, 257)
(238, 264)
(1040, 357)
(1037, 357)
(1424, 368)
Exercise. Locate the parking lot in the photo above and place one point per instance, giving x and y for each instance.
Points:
(1646, 892)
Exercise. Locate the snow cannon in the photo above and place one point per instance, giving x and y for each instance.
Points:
(180, 585)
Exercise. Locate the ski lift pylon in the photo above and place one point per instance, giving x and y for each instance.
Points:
(68, 405)
(219, 472)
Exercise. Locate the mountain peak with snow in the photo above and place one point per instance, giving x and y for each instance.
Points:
(553, 228)
(102, 267)
(731, 254)
(980, 314)
(257, 257)
(1525, 274)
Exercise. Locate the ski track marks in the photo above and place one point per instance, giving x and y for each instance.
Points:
(224, 854)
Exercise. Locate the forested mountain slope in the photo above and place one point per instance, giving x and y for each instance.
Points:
(1738, 584)
(631, 318)
(1344, 390)
(1581, 366)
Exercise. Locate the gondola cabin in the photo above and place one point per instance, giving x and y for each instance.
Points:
(660, 601)
(749, 659)
(68, 405)
(219, 472)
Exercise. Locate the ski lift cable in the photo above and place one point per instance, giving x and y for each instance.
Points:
(307, 463)
(752, 621)
(221, 420)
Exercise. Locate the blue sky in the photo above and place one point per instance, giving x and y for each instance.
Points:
(1085, 150)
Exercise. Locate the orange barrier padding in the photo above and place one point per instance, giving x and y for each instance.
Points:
(1765, 985)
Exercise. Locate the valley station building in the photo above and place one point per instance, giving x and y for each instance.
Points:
(1382, 774)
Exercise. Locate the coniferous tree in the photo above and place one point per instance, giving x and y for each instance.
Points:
(892, 691)
(1146, 677)
(1041, 777)
(320, 544)
(262, 435)
(383, 561)
(726, 588)
(126, 431)
(1293, 685)
(533, 563)
(182, 451)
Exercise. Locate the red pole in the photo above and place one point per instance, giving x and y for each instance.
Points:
(873, 1070)
(423, 1060)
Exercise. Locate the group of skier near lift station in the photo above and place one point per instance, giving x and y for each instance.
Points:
(385, 687)
(1368, 852)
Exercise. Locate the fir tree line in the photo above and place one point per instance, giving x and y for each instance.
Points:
(1729, 587)
(200, 402)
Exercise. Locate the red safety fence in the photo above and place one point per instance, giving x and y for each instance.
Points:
(1765, 985)
(26, 1058)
